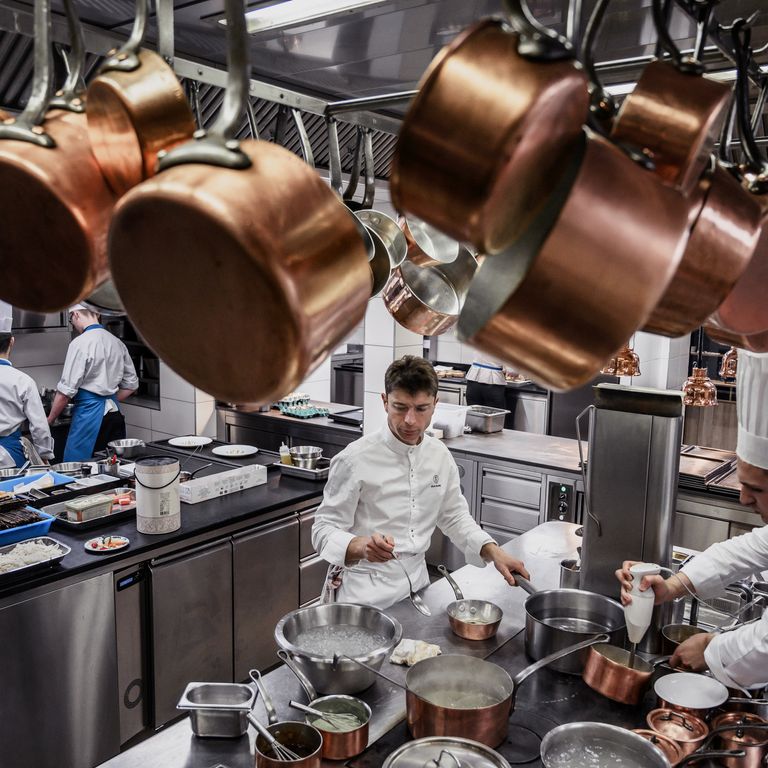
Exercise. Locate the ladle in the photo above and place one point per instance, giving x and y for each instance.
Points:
(415, 599)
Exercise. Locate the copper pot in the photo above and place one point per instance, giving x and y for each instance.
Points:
(668, 746)
(688, 731)
(741, 730)
(136, 106)
(471, 619)
(55, 202)
(757, 342)
(497, 113)
(238, 264)
(674, 634)
(607, 671)
(559, 302)
(302, 739)
(426, 245)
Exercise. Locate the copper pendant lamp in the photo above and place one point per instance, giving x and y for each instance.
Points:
(698, 390)
(624, 363)
(729, 364)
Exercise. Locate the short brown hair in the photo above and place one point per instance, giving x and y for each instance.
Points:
(412, 374)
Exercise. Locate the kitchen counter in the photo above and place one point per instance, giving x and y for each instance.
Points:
(315, 421)
(544, 700)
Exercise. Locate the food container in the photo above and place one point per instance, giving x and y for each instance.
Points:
(27, 568)
(22, 532)
(483, 418)
(89, 507)
(306, 456)
(218, 710)
(450, 418)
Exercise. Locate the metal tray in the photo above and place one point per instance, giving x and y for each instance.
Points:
(320, 472)
(59, 512)
(27, 569)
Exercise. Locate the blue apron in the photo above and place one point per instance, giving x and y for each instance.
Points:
(12, 442)
(87, 415)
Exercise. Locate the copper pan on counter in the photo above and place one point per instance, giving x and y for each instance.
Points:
(137, 107)
(55, 202)
(237, 263)
(497, 113)
(561, 300)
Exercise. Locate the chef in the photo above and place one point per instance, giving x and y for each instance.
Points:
(487, 383)
(98, 373)
(19, 403)
(738, 658)
(385, 494)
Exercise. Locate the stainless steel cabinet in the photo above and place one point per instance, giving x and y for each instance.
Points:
(531, 413)
(697, 532)
(456, 394)
(58, 678)
(191, 622)
(510, 497)
(266, 587)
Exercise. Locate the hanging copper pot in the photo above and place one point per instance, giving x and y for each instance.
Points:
(568, 294)
(497, 113)
(238, 264)
(136, 106)
(54, 200)
(757, 342)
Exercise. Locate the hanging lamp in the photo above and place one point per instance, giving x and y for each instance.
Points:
(626, 362)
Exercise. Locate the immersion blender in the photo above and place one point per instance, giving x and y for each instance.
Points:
(638, 613)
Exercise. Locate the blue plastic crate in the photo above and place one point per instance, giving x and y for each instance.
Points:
(9, 485)
(29, 531)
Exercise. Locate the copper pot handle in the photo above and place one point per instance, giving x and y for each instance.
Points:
(454, 586)
(696, 756)
(536, 41)
(546, 660)
(219, 146)
(369, 169)
(165, 41)
(28, 125)
(686, 64)
(334, 154)
(354, 173)
(306, 146)
(70, 97)
(126, 57)
(679, 716)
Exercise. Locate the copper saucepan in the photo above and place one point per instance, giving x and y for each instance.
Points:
(561, 300)
(757, 342)
(741, 730)
(497, 113)
(56, 204)
(426, 245)
(688, 731)
(136, 106)
(669, 747)
(238, 264)
(471, 619)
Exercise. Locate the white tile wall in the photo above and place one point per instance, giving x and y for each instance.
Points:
(136, 415)
(376, 360)
(205, 419)
(175, 417)
(44, 375)
(138, 432)
(374, 416)
(379, 325)
(173, 386)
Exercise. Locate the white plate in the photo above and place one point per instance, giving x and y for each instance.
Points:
(189, 441)
(234, 450)
(687, 689)
(91, 544)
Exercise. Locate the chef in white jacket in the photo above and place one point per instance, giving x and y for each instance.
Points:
(385, 494)
(738, 658)
(19, 404)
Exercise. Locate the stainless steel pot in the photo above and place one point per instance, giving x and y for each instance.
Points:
(557, 618)
(345, 676)
(444, 752)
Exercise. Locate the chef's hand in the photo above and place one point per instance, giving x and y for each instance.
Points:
(664, 590)
(689, 655)
(505, 564)
(376, 549)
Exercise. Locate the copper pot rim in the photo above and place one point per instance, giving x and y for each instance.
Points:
(701, 729)
(669, 743)
(315, 754)
(598, 651)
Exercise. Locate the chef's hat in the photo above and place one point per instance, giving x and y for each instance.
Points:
(752, 408)
(6, 317)
(76, 307)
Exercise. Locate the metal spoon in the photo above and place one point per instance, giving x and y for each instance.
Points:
(416, 600)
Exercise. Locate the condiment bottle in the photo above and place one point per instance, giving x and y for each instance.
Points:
(285, 454)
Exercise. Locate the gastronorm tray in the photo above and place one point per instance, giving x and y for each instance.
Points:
(26, 569)
(320, 472)
(9, 485)
(59, 512)
(28, 531)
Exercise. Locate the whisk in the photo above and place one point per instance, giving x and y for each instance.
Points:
(280, 751)
(344, 721)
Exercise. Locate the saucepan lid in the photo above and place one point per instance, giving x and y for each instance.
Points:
(444, 752)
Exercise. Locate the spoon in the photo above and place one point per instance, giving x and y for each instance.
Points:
(416, 600)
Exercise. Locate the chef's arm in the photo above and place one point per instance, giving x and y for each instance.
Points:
(60, 402)
(505, 564)
(38, 426)
(123, 394)
(376, 549)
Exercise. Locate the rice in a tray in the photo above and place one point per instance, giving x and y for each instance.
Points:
(27, 553)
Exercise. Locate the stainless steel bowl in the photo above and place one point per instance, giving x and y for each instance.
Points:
(345, 676)
(218, 710)
(68, 467)
(306, 456)
(127, 448)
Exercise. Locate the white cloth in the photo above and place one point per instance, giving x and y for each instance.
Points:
(380, 484)
(737, 658)
(20, 402)
(6, 317)
(99, 362)
(486, 370)
(752, 408)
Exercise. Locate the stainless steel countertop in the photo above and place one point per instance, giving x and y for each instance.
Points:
(541, 548)
(558, 453)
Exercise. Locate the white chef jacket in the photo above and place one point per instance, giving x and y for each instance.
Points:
(738, 658)
(380, 484)
(20, 402)
(99, 362)
(486, 370)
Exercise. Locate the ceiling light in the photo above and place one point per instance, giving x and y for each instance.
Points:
(699, 390)
(625, 363)
(729, 364)
(293, 12)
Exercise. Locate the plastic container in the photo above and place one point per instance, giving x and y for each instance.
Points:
(158, 507)
(285, 454)
(450, 418)
(89, 507)
(28, 531)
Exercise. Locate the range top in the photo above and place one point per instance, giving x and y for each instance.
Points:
(264, 458)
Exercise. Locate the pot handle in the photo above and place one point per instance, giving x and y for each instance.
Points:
(286, 658)
(454, 586)
(354, 173)
(602, 106)
(334, 154)
(126, 57)
(521, 581)
(377, 672)
(272, 717)
(70, 97)
(28, 125)
(556, 656)
(536, 41)
(687, 64)
(696, 756)
(306, 146)
(165, 42)
(369, 169)
(437, 762)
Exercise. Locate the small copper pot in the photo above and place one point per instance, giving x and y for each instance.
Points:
(742, 730)
(674, 634)
(669, 747)
(607, 671)
(471, 619)
(688, 731)
(341, 745)
(303, 739)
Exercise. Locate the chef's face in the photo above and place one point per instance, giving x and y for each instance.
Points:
(408, 415)
(754, 488)
(77, 320)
